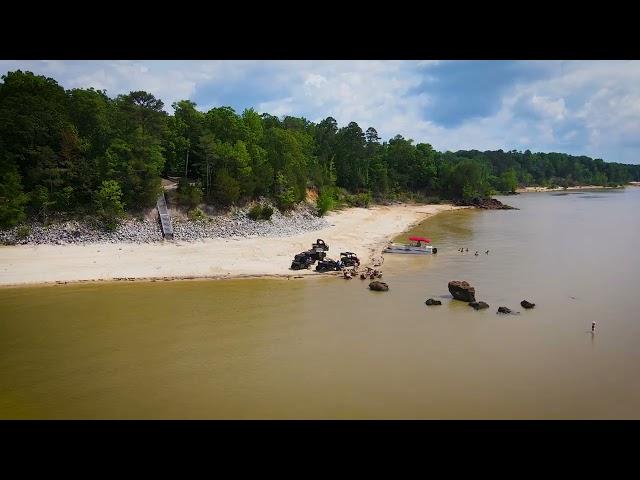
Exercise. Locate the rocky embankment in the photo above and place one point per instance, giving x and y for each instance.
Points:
(487, 204)
(234, 224)
(80, 232)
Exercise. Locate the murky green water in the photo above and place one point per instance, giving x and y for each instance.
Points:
(330, 348)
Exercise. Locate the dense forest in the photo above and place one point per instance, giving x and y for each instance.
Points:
(79, 152)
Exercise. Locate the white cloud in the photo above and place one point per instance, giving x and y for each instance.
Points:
(547, 107)
(279, 107)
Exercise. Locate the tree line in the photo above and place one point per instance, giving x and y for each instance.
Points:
(79, 152)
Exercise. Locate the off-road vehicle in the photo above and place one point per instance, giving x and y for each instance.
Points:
(303, 260)
(349, 259)
(328, 265)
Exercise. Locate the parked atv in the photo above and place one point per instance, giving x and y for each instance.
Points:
(319, 250)
(320, 246)
(328, 265)
(349, 259)
(303, 260)
(317, 256)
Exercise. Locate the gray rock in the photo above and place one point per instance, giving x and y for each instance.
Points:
(526, 304)
(479, 305)
(462, 291)
(378, 286)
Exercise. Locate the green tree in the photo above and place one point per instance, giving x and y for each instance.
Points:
(187, 130)
(226, 189)
(33, 112)
(41, 202)
(351, 160)
(325, 201)
(285, 194)
(466, 180)
(12, 198)
(325, 146)
(136, 165)
(109, 206)
(508, 181)
(141, 112)
(189, 195)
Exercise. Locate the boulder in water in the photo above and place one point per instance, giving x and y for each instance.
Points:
(431, 301)
(479, 305)
(379, 286)
(526, 304)
(462, 291)
(504, 310)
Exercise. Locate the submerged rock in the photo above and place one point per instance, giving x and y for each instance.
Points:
(503, 310)
(379, 286)
(526, 304)
(479, 305)
(431, 301)
(462, 291)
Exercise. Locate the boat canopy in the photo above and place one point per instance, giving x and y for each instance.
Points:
(420, 239)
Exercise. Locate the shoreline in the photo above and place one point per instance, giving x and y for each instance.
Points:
(557, 189)
(362, 231)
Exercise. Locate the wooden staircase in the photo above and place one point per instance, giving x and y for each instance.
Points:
(165, 218)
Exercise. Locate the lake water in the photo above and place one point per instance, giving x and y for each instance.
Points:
(330, 348)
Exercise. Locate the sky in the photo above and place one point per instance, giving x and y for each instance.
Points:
(579, 107)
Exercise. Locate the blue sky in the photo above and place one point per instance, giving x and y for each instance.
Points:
(580, 107)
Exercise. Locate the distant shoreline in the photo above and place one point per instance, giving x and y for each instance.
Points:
(360, 230)
(555, 189)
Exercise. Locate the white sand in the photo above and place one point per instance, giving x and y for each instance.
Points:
(359, 230)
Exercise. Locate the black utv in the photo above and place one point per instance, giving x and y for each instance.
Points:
(328, 265)
(349, 259)
(303, 260)
(320, 246)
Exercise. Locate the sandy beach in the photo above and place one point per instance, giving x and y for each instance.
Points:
(359, 230)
